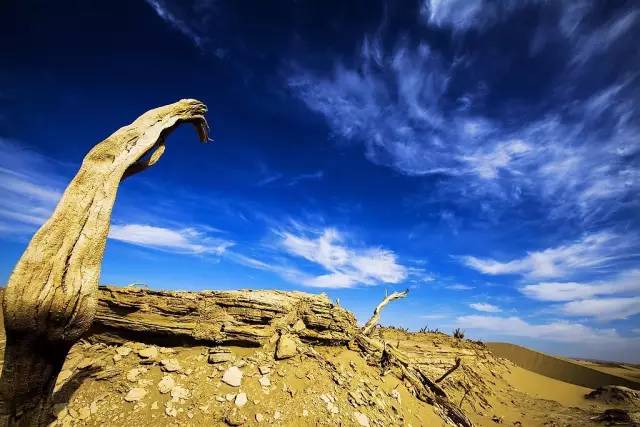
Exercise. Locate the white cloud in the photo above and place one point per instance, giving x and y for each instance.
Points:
(185, 240)
(459, 287)
(592, 251)
(485, 307)
(603, 308)
(345, 266)
(625, 282)
(575, 159)
(560, 331)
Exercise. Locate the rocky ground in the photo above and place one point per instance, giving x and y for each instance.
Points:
(280, 359)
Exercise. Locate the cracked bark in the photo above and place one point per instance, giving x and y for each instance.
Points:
(51, 296)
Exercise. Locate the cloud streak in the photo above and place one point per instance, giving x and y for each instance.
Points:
(184, 240)
(590, 252)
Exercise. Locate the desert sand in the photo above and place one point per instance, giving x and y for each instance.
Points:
(151, 379)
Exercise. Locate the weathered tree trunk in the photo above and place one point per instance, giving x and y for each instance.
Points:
(51, 296)
(248, 317)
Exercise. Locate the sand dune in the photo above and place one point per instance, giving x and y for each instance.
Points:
(560, 369)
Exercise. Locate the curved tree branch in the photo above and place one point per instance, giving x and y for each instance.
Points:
(51, 296)
(373, 321)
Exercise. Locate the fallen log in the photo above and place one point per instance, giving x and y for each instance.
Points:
(244, 317)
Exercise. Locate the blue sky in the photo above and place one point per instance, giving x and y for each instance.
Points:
(483, 154)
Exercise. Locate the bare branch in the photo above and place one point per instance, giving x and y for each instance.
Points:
(373, 321)
(453, 368)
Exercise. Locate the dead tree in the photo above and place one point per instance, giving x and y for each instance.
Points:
(51, 296)
(395, 360)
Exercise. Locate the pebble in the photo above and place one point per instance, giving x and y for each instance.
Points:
(277, 415)
(148, 353)
(259, 417)
(264, 370)
(135, 394)
(132, 375)
(166, 384)
(170, 365)
(241, 400)
(361, 419)
(123, 351)
(232, 376)
(235, 418)
(179, 392)
(265, 381)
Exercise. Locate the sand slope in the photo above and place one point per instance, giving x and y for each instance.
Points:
(560, 369)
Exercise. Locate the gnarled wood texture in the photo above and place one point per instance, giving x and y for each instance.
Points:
(51, 296)
(249, 317)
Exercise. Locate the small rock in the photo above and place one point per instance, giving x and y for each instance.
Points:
(179, 392)
(496, 419)
(395, 394)
(305, 413)
(123, 351)
(241, 400)
(167, 350)
(230, 396)
(117, 358)
(132, 375)
(361, 419)
(286, 347)
(259, 417)
(232, 376)
(166, 384)
(170, 365)
(277, 415)
(135, 394)
(220, 399)
(93, 408)
(235, 418)
(169, 410)
(154, 405)
(148, 353)
(264, 370)
(265, 381)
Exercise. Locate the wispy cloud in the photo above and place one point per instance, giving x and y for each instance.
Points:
(561, 331)
(194, 19)
(625, 282)
(184, 240)
(459, 287)
(30, 187)
(589, 253)
(576, 159)
(603, 308)
(485, 307)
